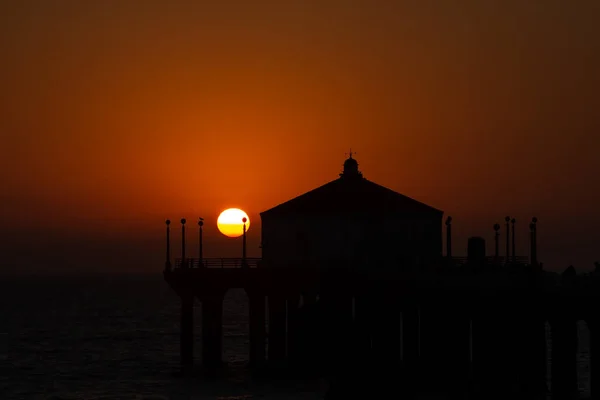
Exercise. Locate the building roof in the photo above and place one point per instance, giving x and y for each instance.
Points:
(351, 193)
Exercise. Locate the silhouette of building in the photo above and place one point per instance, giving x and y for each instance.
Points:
(351, 221)
(471, 325)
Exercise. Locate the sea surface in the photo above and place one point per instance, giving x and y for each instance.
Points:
(109, 338)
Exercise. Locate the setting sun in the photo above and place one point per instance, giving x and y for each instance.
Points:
(230, 222)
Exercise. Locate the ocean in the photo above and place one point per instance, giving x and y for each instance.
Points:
(117, 338)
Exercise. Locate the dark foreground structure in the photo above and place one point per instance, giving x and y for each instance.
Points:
(356, 289)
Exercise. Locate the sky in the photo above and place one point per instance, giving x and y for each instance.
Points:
(118, 114)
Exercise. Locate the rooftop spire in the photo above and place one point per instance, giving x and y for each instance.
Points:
(351, 168)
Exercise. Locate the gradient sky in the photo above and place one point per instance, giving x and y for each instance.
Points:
(115, 115)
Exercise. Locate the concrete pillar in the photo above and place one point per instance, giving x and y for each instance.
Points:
(431, 337)
(564, 357)
(518, 343)
(385, 332)
(444, 338)
(489, 347)
(277, 329)
(336, 327)
(531, 346)
(387, 344)
(307, 332)
(294, 332)
(375, 347)
(341, 367)
(455, 345)
(257, 329)
(362, 332)
(410, 343)
(594, 327)
(212, 331)
(187, 330)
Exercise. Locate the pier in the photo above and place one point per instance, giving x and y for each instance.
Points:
(379, 307)
(474, 325)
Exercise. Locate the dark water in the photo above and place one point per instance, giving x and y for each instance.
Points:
(113, 339)
(118, 338)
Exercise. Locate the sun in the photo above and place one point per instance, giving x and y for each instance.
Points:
(231, 224)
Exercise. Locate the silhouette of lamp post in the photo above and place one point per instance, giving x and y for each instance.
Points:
(168, 261)
(183, 262)
(514, 252)
(496, 240)
(244, 263)
(507, 219)
(533, 229)
(200, 253)
(449, 237)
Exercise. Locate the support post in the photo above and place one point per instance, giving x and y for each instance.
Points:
(257, 329)
(346, 373)
(410, 342)
(489, 347)
(531, 345)
(277, 328)
(564, 357)
(212, 331)
(594, 328)
(294, 335)
(187, 330)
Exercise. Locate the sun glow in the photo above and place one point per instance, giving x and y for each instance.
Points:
(231, 224)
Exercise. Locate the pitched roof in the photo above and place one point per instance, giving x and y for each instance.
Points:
(351, 196)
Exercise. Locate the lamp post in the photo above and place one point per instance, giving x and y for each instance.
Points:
(200, 253)
(168, 260)
(183, 262)
(514, 252)
(244, 264)
(496, 240)
(449, 237)
(533, 228)
(507, 219)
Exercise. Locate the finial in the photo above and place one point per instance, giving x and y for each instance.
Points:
(351, 168)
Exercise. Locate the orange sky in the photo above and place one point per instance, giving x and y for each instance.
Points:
(117, 114)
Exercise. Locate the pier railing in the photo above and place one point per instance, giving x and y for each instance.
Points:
(216, 263)
(237, 262)
(494, 260)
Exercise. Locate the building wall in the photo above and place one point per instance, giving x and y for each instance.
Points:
(373, 241)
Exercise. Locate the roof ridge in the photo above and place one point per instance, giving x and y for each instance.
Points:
(343, 195)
